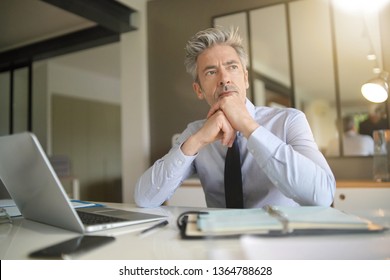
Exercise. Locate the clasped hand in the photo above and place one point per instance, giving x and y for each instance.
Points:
(224, 119)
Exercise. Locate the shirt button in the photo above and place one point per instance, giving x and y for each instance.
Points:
(179, 162)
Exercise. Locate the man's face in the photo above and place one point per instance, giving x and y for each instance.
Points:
(220, 73)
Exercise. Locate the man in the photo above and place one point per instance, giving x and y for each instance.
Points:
(354, 144)
(280, 162)
(377, 119)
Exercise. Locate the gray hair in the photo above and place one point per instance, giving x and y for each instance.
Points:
(208, 38)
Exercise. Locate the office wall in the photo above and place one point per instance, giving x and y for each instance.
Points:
(134, 101)
(40, 102)
(131, 91)
(76, 113)
(88, 132)
(172, 102)
(82, 83)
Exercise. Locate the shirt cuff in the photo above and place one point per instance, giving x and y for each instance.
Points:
(178, 162)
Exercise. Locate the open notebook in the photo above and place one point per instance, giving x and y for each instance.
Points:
(272, 221)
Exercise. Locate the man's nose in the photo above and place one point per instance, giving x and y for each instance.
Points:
(224, 78)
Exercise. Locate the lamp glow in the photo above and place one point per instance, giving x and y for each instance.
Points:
(376, 90)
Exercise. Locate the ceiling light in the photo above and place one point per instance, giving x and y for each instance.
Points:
(376, 90)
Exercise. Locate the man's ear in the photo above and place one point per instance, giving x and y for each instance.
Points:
(198, 90)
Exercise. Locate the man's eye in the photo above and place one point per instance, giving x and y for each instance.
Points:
(209, 73)
(233, 67)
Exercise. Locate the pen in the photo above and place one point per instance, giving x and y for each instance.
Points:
(161, 224)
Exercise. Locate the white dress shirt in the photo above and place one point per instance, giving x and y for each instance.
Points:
(281, 165)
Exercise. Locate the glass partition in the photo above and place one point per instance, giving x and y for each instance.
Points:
(315, 55)
(4, 103)
(270, 56)
(15, 100)
(313, 67)
(20, 106)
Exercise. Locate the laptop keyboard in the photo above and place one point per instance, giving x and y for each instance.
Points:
(95, 219)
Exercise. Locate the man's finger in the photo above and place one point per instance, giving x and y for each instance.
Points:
(213, 110)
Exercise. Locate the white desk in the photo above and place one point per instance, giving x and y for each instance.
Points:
(24, 236)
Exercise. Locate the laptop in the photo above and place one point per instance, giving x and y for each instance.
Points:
(38, 193)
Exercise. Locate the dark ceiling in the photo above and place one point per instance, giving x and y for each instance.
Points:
(39, 29)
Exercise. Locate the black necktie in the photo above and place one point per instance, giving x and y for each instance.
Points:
(233, 179)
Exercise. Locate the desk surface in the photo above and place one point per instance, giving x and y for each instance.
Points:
(24, 236)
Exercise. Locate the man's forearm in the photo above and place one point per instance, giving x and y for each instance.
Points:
(192, 146)
(302, 175)
(160, 181)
